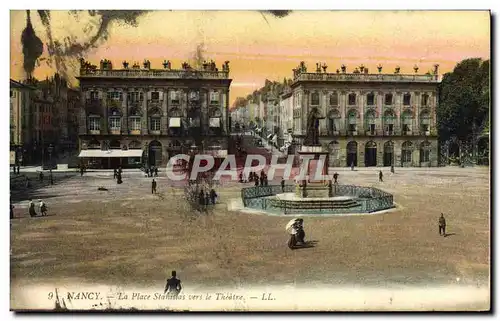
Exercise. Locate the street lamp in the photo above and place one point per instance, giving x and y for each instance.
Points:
(50, 149)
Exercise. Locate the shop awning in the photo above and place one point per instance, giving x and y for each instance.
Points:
(111, 153)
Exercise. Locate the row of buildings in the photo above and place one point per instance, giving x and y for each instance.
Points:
(141, 115)
(365, 119)
(43, 120)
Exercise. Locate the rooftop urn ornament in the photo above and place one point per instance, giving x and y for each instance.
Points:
(436, 69)
(324, 67)
(146, 64)
(125, 64)
(379, 67)
(303, 67)
(166, 64)
(318, 67)
(338, 71)
(361, 68)
(343, 67)
(136, 65)
(415, 68)
(397, 69)
(356, 71)
(225, 66)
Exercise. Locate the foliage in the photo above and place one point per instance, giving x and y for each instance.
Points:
(464, 99)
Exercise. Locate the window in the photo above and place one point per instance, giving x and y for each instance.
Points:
(407, 122)
(424, 122)
(154, 124)
(352, 121)
(370, 99)
(114, 123)
(94, 123)
(214, 97)
(406, 99)
(194, 95)
(175, 97)
(425, 99)
(406, 151)
(352, 99)
(425, 151)
(135, 96)
(315, 99)
(155, 96)
(94, 95)
(114, 95)
(388, 99)
(135, 123)
(334, 99)
(370, 122)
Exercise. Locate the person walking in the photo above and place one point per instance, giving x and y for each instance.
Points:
(31, 209)
(156, 171)
(173, 286)
(153, 187)
(43, 208)
(282, 185)
(213, 196)
(380, 176)
(335, 178)
(442, 225)
(40, 176)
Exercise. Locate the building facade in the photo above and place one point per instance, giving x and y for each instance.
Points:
(286, 119)
(369, 119)
(161, 112)
(21, 96)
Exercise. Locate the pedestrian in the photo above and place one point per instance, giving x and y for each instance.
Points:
(335, 178)
(241, 177)
(262, 177)
(207, 198)
(43, 208)
(147, 171)
(442, 225)
(156, 171)
(266, 182)
(282, 185)
(257, 180)
(173, 286)
(153, 187)
(81, 171)
(119, 178)
(115, 173)
(213, 196)
(40, 176)
(380, 176)
(31, 209)
(201, 197)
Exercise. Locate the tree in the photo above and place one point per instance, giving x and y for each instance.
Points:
(464, 99)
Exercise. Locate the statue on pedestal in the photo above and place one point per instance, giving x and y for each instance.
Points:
(312, 136)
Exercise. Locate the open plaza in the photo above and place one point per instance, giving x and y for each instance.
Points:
(130, 237)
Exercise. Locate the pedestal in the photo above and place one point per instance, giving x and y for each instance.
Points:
(311, 187)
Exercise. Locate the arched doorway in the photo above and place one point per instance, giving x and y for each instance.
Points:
(370, 154)
(425, 153)
(334, 157)
(154, 153)
(406, 154)
(352, 153)
(389, 153)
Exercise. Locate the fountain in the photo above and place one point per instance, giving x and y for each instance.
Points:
(313, 192)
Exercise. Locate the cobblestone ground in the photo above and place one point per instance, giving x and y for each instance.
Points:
(128, 236)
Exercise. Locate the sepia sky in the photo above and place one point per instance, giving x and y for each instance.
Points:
(258, 49)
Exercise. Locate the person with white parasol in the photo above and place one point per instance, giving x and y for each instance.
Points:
(296, 230)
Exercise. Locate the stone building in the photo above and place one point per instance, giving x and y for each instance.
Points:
(369, 119)
(140, 115)
(21, 96)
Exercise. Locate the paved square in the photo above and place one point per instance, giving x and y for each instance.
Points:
(129, 237)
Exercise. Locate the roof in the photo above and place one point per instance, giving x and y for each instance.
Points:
(17, 84)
